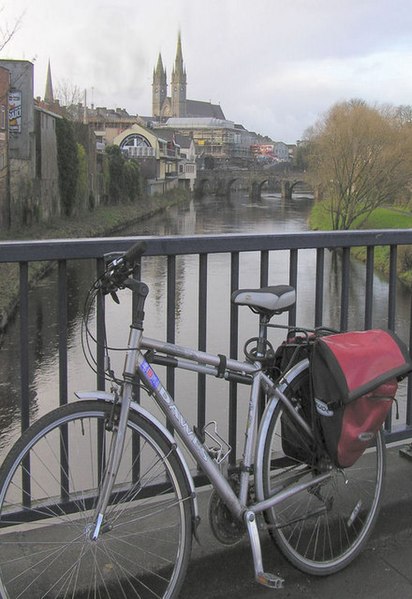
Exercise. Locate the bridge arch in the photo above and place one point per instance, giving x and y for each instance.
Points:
(204, 187)
(222, 181)
(256, 189)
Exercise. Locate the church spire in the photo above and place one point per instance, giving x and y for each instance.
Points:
(48, 94)
(159, 73)
(179, 82)
(179, 71)
(159, 85)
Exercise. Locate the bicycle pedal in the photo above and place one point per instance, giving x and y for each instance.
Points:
(270, 580)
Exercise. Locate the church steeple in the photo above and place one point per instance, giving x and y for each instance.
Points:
(179, 83)
(159, 92)
(48, 94)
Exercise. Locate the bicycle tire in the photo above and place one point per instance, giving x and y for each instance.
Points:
(45, 543)
(322, 529)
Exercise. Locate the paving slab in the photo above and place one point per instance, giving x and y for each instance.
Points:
(382, 571)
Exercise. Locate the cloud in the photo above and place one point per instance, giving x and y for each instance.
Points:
(274, 66)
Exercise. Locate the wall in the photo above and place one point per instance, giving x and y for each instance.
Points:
(21, 141)
(32, 167)
(23, 205)
(21, 129)
(4, 152)
(46, 185)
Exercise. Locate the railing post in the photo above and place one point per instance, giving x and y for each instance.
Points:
(202, 332)
(233, 343)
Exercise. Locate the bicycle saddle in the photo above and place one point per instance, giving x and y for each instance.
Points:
(275, 299)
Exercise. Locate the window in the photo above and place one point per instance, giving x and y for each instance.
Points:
(134, 141)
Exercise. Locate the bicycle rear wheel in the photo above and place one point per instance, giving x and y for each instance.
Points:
(49, 484)
(322, 529)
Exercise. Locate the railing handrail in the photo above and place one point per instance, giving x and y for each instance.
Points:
(69, 249)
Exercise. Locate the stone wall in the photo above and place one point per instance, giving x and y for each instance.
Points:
(24, 203)
(46, 184)
(4, 150)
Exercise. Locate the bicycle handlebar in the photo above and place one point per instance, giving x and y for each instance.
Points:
(119, 269)
(135, 252)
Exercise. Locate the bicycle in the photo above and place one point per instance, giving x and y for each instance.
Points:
(97, 499)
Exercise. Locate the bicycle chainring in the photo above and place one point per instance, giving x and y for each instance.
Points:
(225, 527)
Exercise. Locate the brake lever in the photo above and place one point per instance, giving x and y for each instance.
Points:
(115, 297)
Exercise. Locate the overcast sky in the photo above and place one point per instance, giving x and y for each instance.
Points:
(274, 66)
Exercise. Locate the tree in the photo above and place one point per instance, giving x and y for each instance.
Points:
(131, 180)
(8, 31)
(361, 158)
(82, 188)
(403, 114)
(124, 177)
(68, 164)
(116, 163)
(70, 97)
(301, 156)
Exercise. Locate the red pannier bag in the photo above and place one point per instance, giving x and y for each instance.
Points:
(355, 378)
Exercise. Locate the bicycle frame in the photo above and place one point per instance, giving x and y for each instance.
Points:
(244, 373)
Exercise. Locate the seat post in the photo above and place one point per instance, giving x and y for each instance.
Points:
(264, 319)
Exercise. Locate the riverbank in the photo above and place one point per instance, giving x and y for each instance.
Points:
(103, 221)
(382, 218)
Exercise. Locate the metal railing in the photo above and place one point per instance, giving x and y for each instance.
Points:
(63, 251)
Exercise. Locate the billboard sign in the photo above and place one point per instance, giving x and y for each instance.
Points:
(15, 112)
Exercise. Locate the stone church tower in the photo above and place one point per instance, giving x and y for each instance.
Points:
(174, 106)
(177, 104)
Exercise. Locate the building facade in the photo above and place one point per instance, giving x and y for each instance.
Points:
(29, 152)
(162, 160)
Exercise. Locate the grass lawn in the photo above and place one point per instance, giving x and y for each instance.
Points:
(381, 218)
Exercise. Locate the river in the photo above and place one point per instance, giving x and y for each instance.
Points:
(210, 215)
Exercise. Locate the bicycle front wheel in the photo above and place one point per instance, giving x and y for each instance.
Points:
(49, 485)
(322, 529)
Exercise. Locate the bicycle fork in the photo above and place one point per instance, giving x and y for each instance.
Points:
(113, 463)
(140, 291)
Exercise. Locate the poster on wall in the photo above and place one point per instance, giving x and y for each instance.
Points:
(15, 112)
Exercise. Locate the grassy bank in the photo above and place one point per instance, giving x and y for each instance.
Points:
(381, 218)
(103, 221)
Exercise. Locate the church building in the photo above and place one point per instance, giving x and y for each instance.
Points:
(177, 105)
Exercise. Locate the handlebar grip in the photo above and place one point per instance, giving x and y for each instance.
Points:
(135, 252)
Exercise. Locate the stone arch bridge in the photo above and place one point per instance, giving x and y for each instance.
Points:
(222, 182)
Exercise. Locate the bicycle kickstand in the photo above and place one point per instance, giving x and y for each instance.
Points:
(264, 578)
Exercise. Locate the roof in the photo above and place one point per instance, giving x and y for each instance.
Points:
(197, 108)
(199, 123)
(184, 141)
(44, 107)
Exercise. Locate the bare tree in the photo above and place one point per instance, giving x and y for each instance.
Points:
(70, 97)
(403, 114)
(8, 31)
(361, 157)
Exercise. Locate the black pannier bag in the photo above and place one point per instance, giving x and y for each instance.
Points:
(355, 378)
(296, 347)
